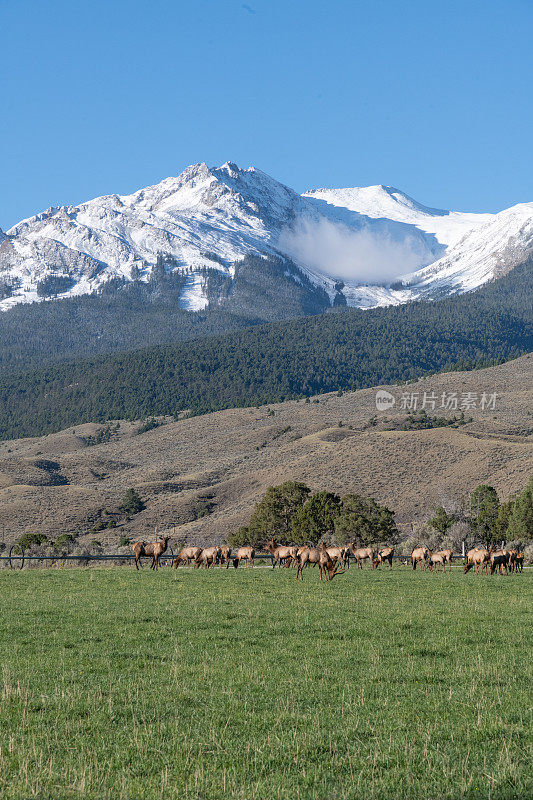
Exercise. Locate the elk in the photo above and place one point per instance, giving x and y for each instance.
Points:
(246, 554)
(512, 560)
(207, 557)
(346, 556)
(300, 550)
(519, 562)
(150, 549)
(281, 554)
(499, 559)
(225, 555)
(186, 555)
(442, 557)
(362, 553)
(336, 554)
(294, 556)
(385, 554)
(477, 559)
(307, 555)
(329, 561)
(317, 555)
(419, 554)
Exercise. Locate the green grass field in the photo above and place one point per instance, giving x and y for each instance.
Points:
(223, 684)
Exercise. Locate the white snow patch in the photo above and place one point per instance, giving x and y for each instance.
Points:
(193, 297)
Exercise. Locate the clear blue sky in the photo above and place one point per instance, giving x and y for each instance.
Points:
(431, 97)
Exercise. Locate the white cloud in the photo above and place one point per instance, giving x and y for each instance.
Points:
(362, 256)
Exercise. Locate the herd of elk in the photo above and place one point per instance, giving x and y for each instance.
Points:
(516, 561)
(479, 559)
(203, 556)
(328, 559)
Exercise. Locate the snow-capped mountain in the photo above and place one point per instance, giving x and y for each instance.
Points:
(365, 247)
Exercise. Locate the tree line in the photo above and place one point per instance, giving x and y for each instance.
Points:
(344, 350)
(291, 514)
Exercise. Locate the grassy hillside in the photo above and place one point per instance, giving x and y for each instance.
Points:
(204, 474)
(346, 350)
(246, 684)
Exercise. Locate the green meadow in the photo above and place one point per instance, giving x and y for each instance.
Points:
(246, 684)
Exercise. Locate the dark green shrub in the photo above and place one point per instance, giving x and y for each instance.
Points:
(62, 542)
(149, 425)
(29, 539)
(132, 503)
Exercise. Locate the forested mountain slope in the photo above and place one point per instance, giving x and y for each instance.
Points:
(348, 350)
(138, 314)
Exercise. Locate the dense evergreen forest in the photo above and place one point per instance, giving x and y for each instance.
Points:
(347, 350)
(124, 316)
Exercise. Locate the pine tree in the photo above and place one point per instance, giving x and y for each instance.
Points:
(484, 506)
(521, 516)
(132, 503)
(315, 520)
(365, 521)
(273, 514)
(442, 521)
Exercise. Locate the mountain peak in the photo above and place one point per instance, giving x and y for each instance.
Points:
(231, 168)
(213, 217)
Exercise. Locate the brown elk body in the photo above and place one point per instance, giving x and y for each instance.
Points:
(294, 556)
(385, 554)
(419, 555)
(317, 555)
(307, 555)
(187, 555)
(477, 559)
(499, 559)
(225, 555)
(362, 553)
(442, 557)
(207, 557)
(153, 550)
(281, 554)
(246, 554)
(336, 554)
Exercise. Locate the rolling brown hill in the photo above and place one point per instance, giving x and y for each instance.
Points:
(202, 475)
